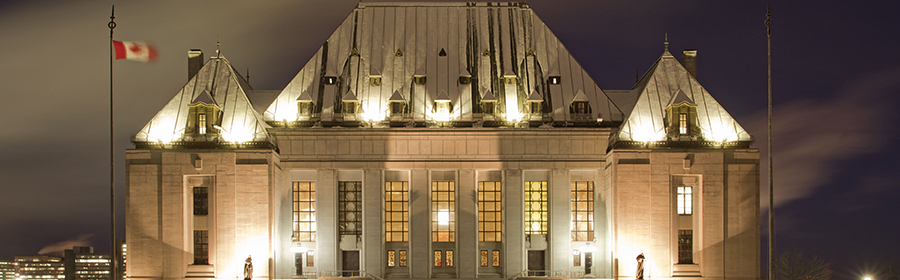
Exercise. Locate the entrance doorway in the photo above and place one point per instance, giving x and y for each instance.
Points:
(350, 263)
(588, 262)
(536, 263)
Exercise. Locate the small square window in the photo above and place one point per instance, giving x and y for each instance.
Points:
(375, 80)
(554, 80)
(465, 80)
(330, 80)
(304, 108)
(420, 80)
(510, 80)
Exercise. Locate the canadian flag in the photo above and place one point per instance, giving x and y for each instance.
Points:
(138, 51)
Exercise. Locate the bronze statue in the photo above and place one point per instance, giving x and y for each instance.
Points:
(639, 275)
(248, 269)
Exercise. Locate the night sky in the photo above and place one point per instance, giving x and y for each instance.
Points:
(836, 73)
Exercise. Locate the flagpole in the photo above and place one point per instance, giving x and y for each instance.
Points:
(113, 256)
(771, 169)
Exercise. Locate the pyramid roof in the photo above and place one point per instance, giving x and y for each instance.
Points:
(535, 96)
(668, 82)
(396, 97)
(217, 83)
(442, 96)
(488, 97)
(305, 97)
(349, 97)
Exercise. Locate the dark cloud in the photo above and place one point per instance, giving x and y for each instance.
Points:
(815, 138)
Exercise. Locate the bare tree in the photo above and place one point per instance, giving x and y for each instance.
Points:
(793, 265)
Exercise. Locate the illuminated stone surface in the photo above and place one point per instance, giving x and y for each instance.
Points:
(414, 56)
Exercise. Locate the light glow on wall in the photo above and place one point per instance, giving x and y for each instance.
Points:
(159, 133)
(371, 112)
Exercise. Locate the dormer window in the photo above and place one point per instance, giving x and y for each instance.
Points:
(201, 124)
(397, 107)
(581, 107)
(681, 122)
(304, 108)
(509, 80)
(535, 108)
(350, 107)
(202, 118)
(487, 107)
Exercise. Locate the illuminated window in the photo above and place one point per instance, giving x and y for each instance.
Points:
(685, 246)
(682, 123)
(201, 247)
(420, 80)
(304, 211)
(310, 258)
(684, 199)
(465, 80)
(554, 80)
(375, 80)
(330, 80)
(484, 258)
(489, 211)
(581, 107)
(536, 216)
(442, 106)
(577, 259)
(391, 258)
(443, 211)
(201, 123)
(448, 258)
(402, 258)
(509, 80)
(437, 258)
(495, 258)
(396, 211)
(201, 201)
(350, 216)
(582, 211)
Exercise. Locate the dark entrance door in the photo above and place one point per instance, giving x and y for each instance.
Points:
(350, 264)
(588, 262)
(298, 263)
(536, 263)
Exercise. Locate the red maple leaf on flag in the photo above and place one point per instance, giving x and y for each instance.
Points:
(135, 49)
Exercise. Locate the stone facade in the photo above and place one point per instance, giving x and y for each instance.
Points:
(507, 161)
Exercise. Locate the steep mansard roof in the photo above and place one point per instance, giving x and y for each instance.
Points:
(443, 42)
(217, 83)
(666, 83)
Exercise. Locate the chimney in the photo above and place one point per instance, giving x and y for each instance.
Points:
(195, 62)
(689, 60)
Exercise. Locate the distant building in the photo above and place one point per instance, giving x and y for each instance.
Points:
(8, 270)
(443, 140)
(83, 264)
(41, 267)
